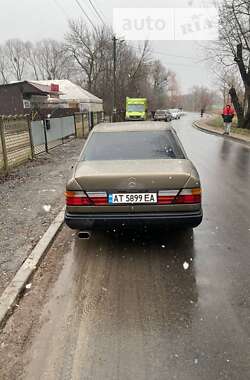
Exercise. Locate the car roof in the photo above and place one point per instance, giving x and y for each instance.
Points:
(132, 127)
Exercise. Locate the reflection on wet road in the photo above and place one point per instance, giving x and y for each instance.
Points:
(124, 307)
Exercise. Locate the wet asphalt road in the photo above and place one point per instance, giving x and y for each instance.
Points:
(123, 306)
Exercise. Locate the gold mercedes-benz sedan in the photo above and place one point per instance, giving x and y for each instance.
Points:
(133, 173)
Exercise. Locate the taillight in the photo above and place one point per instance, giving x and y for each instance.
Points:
(187, 196)
(166, 197)
(98, 198)
(76, 198)
(80, 198)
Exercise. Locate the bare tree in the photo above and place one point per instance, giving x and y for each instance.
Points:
(32, 60)
(4, 72)
(227, 79)
(160, 75)
(173, 90)
(133, 71)
(87, 48)
(199, 98)
(158, 85)
(51, 61)
(233, 49)
(14, 50)
(93, 55)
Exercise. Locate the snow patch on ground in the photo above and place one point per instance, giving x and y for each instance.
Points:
(47, 208)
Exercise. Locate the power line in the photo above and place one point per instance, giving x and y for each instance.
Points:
(172, 55)
(179, 64)
(166, 54)
(98, 13)
(85, 13)
(61, 8)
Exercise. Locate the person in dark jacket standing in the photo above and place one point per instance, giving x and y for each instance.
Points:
(228, 115)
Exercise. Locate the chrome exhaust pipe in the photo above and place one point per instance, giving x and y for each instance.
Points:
(84, 235)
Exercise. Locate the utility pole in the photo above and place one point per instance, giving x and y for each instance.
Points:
(114, 80)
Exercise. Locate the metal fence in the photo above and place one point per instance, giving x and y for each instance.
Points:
(47, 134)
(22, 139)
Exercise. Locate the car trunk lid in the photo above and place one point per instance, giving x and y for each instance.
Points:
(133, 175)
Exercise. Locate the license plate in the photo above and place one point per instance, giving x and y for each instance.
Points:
(135, 198)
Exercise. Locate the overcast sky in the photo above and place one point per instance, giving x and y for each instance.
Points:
(38, 19)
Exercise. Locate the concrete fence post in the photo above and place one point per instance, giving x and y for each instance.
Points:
(45, 136)
(75, 124)
(79, 124)
(86, 124)
(30, 137)
(83, 125)
(91, 120)
(61, 128)
(4, 149)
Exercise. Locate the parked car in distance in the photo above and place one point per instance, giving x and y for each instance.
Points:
(169, 115)
(133, 173)
(175, 112)
(161, 115)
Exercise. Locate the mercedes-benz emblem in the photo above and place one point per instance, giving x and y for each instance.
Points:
(132, 182)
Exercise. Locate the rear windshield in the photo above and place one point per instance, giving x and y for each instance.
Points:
(160, 112)
(141, 145)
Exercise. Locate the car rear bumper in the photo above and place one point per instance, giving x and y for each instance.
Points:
(85, 221)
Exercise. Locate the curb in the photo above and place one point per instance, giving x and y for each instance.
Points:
(14, 289)
(210, 132)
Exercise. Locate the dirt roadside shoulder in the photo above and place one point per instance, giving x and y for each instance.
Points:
(30, 198)
(23, 324)
(201, 124)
